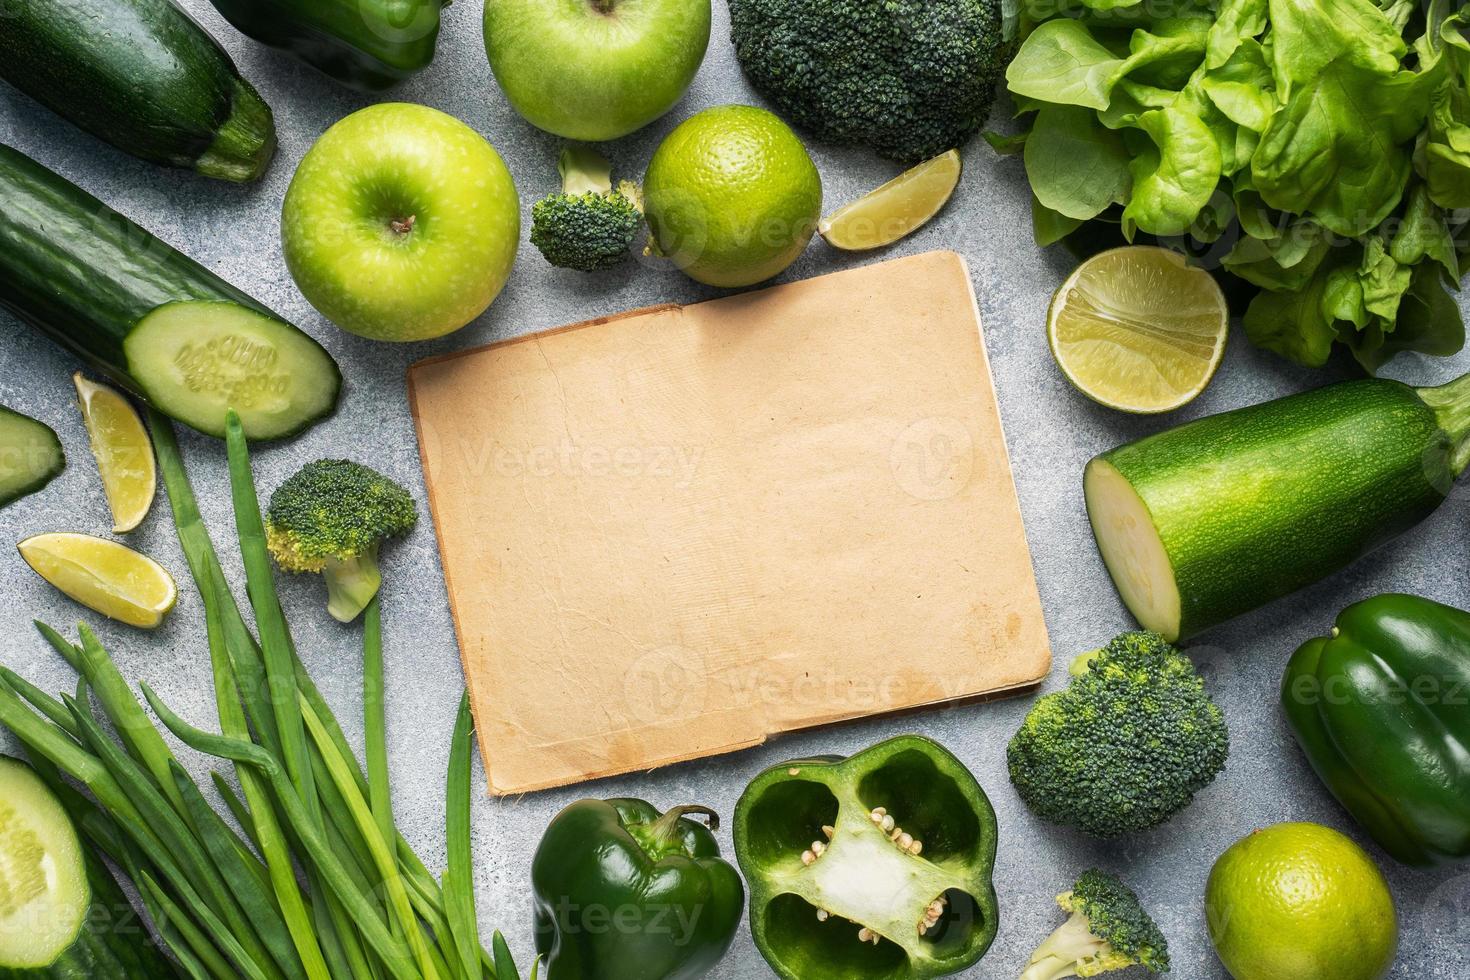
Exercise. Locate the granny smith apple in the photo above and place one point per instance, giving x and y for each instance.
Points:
(595, 70)
(401, 223)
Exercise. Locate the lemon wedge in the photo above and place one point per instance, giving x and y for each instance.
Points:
(104, 576)
(123, 450)
(1139, 329)
(898, 208)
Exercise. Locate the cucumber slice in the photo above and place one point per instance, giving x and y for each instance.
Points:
(149, 318)
(196, 360)
(30, 456)
(44, 895)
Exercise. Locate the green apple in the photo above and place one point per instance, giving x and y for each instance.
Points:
(401, 223)
(595, 70)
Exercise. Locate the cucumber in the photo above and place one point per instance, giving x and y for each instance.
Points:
(143, 76)
(1225, 514)
(30, 455)
(150, 318)
(62, 916)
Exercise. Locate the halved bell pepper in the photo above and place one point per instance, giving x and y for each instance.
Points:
(878, 865)
(369, 45)
(1382, 709)
(623, 892)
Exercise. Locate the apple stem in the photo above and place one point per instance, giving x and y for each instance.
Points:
(403, 226)
(604, 6)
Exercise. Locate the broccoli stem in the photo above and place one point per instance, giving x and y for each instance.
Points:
(584, 171)
(351, 584)
(1059, 953)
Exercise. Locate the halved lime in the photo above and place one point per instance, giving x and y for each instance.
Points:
(104, 576)
(123, 450)
(1139, 329)
(898, 208)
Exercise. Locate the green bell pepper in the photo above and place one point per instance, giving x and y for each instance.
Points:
(623, 892)
(368, 45)
(1382, 709)
(878, 865)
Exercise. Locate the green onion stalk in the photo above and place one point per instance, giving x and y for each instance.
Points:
(301, 875)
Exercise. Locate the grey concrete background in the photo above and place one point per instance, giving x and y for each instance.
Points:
(1052, 432)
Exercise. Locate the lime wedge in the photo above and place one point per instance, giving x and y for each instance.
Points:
(1138, 329)
(898, 208)
(104, 576)
(123, 450)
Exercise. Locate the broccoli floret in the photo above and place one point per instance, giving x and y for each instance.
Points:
(1108, 931)
(910, 78)
(330, 518)
(1126, 746)
(588, 226)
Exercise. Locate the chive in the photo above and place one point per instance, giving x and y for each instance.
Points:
(237, 808)
(390, 950)
(374, 720)
(459, 890)
(61, 645)
(220, 886)
(137, 732)
(53, 709)
(54, 744)
(232, 653)
(184, 938)
(505, 965)
(382, 856)
(339, 944)
(347, 840)
(246, 878)
(275, 642)
(210, 922)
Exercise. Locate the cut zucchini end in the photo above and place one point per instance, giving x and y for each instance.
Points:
(1132, 550)
(246, 142)
(196, 360)
(46, 896)
(30, 456)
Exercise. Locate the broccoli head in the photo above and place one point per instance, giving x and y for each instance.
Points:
(588, 226)
(910, 78)
(1108, 931)
(1126, 746)
(330, 518)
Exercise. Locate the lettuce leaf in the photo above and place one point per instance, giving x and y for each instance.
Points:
(1323, 146)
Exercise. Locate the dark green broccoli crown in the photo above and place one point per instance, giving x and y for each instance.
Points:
(337, 509)
(910, 78)
(1126, 746)
(1117, 918)
(587, 232)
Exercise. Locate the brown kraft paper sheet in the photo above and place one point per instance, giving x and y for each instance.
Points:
(677, 532)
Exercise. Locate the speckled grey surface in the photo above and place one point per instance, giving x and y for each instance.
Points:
(1052, 432)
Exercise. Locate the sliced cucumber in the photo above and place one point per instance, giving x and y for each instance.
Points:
(196, 360)
(30, 455)
(44, 895)
(150, 318)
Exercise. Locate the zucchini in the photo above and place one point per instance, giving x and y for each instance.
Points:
(150, 318)
(143, 76)
(62, 916)
(1227, 513)
(30, 455)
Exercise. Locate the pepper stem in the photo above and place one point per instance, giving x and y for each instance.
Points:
(1451, 405)
(663, 833)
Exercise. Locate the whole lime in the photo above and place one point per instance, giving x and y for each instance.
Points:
(732, 196)
(1298, 901)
